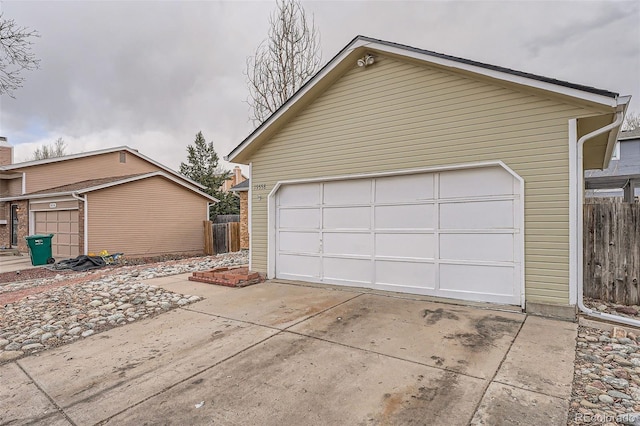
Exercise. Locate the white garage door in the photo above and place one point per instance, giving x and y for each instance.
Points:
(64, 225)
(453, 234)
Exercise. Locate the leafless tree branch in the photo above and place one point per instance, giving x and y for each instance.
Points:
(15, 54)
(284, 61)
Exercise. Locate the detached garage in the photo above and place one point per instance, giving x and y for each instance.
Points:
(428, 174)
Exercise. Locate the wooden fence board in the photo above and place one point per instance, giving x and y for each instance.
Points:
(221, 237)
(612, 252)
(208, 238)
(226, 218)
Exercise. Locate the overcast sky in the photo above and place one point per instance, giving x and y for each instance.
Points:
(151, 74)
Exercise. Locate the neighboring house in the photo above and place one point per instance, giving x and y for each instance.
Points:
(235, 178)
(114, 199)
(402, 169)
(622, 177)
(242, 189)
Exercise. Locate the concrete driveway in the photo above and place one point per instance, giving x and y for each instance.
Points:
(280, 354)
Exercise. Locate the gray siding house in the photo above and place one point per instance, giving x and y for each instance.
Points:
(622, 177)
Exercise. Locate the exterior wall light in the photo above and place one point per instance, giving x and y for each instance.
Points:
(367, 60)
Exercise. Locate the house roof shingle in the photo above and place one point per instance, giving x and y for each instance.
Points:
(242, 186)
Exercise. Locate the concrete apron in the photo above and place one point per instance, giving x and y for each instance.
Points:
(275, 354)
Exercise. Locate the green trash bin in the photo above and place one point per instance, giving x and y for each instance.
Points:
(40, 249)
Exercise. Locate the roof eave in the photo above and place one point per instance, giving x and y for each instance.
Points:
(622, 104)
(601, 97)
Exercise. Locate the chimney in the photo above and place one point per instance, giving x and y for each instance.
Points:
(237, 173)
(6, 152)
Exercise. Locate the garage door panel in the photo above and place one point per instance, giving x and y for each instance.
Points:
(417, 216)
(347, 243)
(481, 247)
(489, 181)
(407, 188)
(477, 215)
(351, 270)
(405, 274)
(294, 266)
(64, 225)
(477, 279)
(347, 192)
(453, 233)
(346, 218)
(301, 242)
(299, 218)
(420, 246)
(299, 195)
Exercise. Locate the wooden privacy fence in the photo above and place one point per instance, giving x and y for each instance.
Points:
(221, 237)
(612, 252)
(226, 218)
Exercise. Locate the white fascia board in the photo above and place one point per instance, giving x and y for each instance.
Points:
(622, 105)
(292, 100)
(36, 196)
(499, 75)
(145, 176)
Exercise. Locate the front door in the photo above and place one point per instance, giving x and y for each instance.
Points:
(14, 225)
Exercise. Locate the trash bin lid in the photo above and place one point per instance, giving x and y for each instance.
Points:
(38, 236)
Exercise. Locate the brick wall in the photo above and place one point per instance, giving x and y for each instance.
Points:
(23, 224)
(5, 230)
(244, 220)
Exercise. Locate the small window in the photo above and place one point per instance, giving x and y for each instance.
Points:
(616, 152)
(123, 157)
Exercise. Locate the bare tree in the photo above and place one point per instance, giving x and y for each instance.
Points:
(283, 61)
(632, 121)
(57, 149)
(15, 54)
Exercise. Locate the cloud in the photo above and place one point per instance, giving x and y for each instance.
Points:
(152, 74)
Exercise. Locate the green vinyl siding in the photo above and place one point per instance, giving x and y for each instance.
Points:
(398, 115)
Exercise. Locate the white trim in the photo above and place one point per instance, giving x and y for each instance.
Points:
(55, 200)
(250, 214)
(32, 222)
(100, 152)
(573, 211)
(425, 57)
(36, 196)
(498, 75)
(54, 210)
(272, 207)
(24, 183)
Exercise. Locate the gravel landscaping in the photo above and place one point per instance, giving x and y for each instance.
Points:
(41, 313)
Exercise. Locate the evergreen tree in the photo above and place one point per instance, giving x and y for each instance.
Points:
(202, 167)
